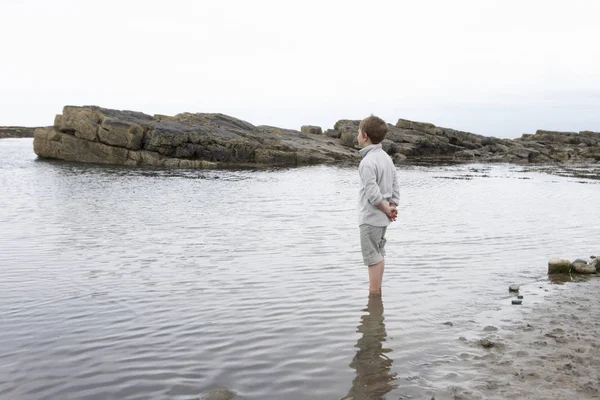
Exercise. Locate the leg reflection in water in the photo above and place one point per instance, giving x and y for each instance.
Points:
(373, 377)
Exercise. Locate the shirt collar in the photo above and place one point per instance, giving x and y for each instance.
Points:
(365, 150)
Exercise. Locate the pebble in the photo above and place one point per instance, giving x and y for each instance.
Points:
(517, 301)
(520, 296)
(513, 288)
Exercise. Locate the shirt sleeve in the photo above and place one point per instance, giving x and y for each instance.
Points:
(395, 189)
(369, 179)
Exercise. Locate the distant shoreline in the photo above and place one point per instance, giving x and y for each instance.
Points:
(12, 132)
(91, 134)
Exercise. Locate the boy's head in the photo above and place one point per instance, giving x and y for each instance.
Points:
(372, 130)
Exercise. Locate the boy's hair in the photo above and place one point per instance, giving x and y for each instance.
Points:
(374, 127)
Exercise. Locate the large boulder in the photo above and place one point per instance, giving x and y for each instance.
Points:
(348, 132)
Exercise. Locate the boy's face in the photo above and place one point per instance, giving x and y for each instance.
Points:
(362, 138)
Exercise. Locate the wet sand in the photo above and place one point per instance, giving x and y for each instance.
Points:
(551, 350)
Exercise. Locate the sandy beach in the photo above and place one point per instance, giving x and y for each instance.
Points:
(551, 352)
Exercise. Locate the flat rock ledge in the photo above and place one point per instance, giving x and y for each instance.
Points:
(92, 134)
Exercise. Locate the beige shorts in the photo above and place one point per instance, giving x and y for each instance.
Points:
(372, 243)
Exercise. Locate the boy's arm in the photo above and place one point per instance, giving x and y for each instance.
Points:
(388, 209)
(395, 189)
(369, 180)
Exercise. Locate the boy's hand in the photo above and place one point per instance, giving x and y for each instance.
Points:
(389, 209)
(393, 212)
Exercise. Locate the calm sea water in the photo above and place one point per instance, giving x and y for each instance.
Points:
(119, 283)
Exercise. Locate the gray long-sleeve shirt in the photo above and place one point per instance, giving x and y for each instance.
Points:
(378, 182)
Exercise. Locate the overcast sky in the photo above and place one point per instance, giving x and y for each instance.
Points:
(498, 68)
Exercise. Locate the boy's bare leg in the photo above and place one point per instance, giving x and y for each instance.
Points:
(375, 277)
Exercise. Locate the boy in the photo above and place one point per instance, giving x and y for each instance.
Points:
(378, 197)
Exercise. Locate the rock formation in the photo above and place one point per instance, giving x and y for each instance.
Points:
(97, 135)
(16, 132)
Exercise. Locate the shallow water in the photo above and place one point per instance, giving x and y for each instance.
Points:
(120, 283)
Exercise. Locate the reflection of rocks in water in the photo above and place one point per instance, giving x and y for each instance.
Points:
(373, 377)
(559, 279)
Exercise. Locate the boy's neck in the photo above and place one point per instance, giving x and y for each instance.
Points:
(368, 143)
(367, 148)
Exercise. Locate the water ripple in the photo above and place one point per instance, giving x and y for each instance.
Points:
(139, 283)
